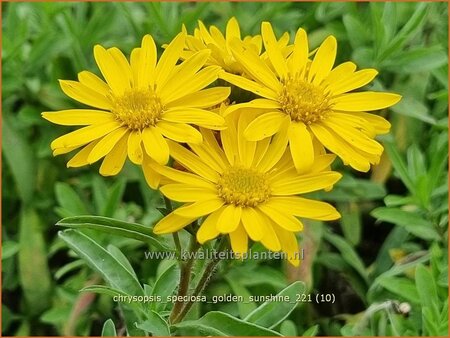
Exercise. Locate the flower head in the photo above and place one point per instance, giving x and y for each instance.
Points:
(245, 189)
(214, 40)
(317, 99)
(142, 104)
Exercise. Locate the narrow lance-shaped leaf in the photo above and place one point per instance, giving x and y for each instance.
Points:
(102, 262)
(115, 227)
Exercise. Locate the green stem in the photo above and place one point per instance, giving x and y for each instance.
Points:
(185, 277)
(203, 282)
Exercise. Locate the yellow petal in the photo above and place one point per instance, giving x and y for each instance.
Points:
(228, 138)
(232, 29)
(255, 66)
(122, 66)
(80, 158)
(365, 101)
(188, 193)
(195, 116)
(60, 151)
(302, 184)
(183, 73)
(171, 223)
(106, 144)
(272, 49)
(179, 132)
(155, 145)
(249, 85)
(78, 117)
(353, 120)
(256, 103)
(303, 207)
(84, 135)
(264, 126)
(203, 99)
(134, 147)
(94, 83)
(239, 241)
(301, 147)
(246, 148)
(300, 54)
(113, 162)
(289, 245)
(340, 147)
(323, 60)
(260, 151)
(276, 148)
(229, 219)
(210, 152)
(191, 161)
(190, 84)
(169, 59)
(381, 125)
(143, 63)
(341, 71)
(83, 94)
(353, 81)
(199, 208)
(285, 221)
(110, 70)
(254, 224)
(152, 177)
(182, 177)
(270, 238)
(208, 229)
(354, 136)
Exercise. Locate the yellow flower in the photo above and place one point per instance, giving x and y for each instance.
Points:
(245, 189)
(316, 98)
(142, 104)
(215, 41)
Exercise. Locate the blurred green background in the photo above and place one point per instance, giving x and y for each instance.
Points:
(385, 260)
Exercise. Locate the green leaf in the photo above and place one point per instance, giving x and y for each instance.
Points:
(109, 330)
(399, 166)
(259, 275)
(69, 199)
(272, 313)
(311, 332)
(288, 328)
(34, 273)
(216, 323)
(102, 262)
(246, 306)
(9, 249)
(351, 221)
(121, 258)
(402, 287)
(114, 227)
(412, 107)
(155, 325)
(411, 221)
(426, 287)
(165, 285)
(348, 253)
(424, 58)
(20, 158)
(114, 197)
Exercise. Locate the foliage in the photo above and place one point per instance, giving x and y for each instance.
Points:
(385, 261)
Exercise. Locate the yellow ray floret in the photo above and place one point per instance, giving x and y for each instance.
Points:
(317, 99)
(244, 189)
(140, 105)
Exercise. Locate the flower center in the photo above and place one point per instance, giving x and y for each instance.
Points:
(137, 108)
(304, 101)
(243, 187)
